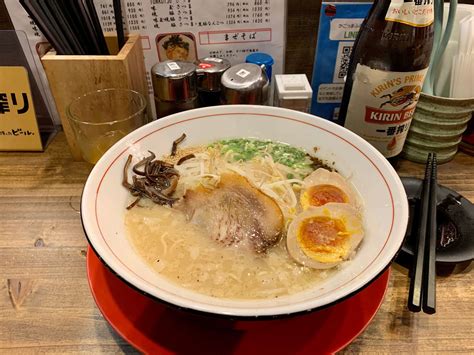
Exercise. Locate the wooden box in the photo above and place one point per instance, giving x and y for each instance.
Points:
(71, 76)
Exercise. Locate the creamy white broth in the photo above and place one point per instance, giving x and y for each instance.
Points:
(207, 243)
(178, 250)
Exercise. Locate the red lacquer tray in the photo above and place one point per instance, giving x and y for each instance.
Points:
(154, 328)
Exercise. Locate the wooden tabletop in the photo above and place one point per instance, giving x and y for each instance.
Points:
(46, 304)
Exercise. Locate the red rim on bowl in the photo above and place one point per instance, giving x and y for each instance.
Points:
(152, 327)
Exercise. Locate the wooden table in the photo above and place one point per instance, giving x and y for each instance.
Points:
(46, 305)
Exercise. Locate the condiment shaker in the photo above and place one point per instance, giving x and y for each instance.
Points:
(264, 59)
(209, 72)
(245, 83)
(293, 91)
(174, 86)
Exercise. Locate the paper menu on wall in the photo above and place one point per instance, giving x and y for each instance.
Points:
(185, 29)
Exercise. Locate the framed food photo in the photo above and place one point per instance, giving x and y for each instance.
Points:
(176, 46)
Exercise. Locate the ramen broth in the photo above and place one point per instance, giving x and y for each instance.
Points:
(178, 250)
(177, 244)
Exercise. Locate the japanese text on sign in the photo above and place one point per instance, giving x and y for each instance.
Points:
(20, 107)
(229, 36)
(18, 125)
(188, 29)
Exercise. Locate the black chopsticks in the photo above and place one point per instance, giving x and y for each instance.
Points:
(118, 22)
(429, 284)
(422, 293)
(36, 13)
(71, 26)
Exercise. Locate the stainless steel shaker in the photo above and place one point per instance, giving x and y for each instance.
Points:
(209, 72)
(245, 83)
(174, 86)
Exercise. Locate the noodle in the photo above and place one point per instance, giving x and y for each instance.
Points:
(263, 172)
(180, 251)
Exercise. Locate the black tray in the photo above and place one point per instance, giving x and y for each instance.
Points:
(455, 216)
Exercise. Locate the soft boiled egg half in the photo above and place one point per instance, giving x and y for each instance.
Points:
(322, 237)
(323, 186)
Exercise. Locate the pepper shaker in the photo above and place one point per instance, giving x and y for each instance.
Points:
(245, 83)
(174, 86)
(209, 72)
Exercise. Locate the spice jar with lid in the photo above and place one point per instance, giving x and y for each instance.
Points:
(293, 91)
(245, 83)
(209, 72)
(174, 86)
(264, 59)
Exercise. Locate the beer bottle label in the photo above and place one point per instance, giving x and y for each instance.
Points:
(417, 13)
(381, 106)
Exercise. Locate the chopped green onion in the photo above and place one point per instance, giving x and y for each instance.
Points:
(246, 149)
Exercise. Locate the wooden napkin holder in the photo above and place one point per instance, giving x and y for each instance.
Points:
(71, 76)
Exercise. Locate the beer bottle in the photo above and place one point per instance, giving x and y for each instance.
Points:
(387, 68)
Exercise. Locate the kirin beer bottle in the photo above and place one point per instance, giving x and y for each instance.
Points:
(388, 65)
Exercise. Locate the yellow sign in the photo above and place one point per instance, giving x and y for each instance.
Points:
(18, 125)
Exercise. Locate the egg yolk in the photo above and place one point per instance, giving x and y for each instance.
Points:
(319, 195)
(322, 235)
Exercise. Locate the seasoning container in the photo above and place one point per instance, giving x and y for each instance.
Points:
(209, 72)
(264, 59)
(174, 86)
(245, 83)
(293, 91)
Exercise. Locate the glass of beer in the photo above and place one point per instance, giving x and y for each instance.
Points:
(100, 118)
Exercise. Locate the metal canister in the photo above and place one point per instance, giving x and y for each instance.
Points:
(174, 86)
(209, 72)
(245, 83)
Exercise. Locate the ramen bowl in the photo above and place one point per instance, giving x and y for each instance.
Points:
(385, 207)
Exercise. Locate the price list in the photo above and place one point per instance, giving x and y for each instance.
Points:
(134, 16)
(248, 12)
(148, 16)
(105, 11)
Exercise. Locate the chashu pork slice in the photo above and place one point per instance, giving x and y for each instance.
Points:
(235, 212)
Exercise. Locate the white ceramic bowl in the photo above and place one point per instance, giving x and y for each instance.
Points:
(386, 208)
